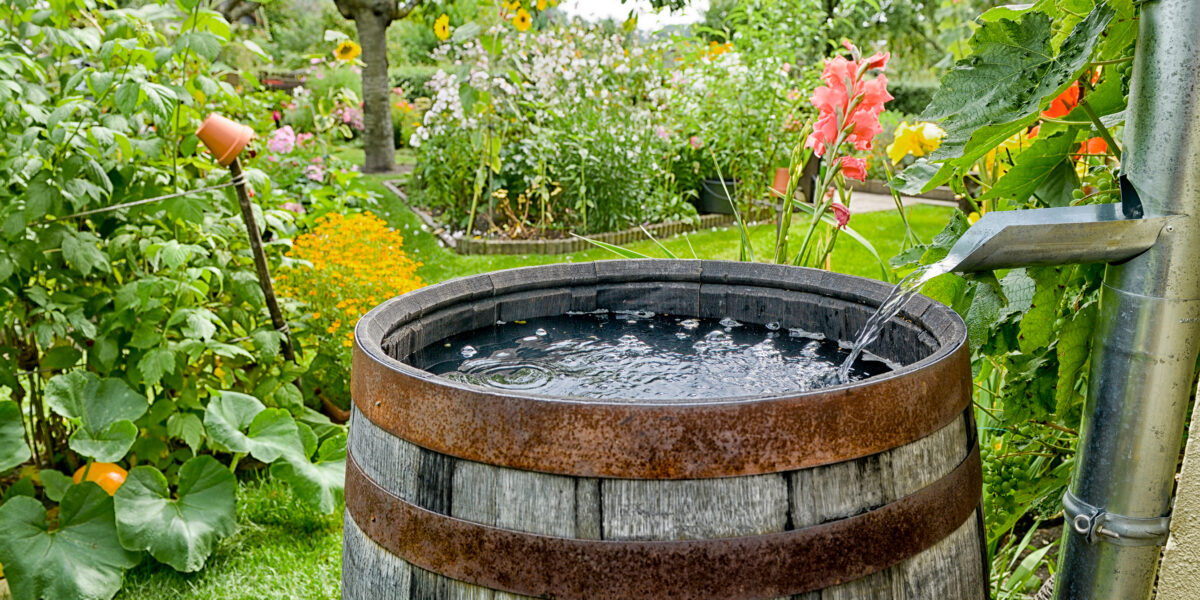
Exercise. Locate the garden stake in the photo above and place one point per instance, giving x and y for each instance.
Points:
(260, 258)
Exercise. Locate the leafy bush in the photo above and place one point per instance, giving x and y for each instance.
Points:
(910, 98)
(412, 79)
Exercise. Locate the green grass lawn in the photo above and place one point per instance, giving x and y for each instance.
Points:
(283, 550)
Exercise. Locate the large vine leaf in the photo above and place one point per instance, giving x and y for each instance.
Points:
(240, 423)
(80, 558)
(1034, 167)
(318, 484)
(1011, 71)
(104, 409)
(1037, 326)
(178, 531)
(13, 449)
(1073, 348)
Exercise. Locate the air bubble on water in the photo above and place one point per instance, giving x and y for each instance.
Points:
(773, 326)
(468, 351)
(631, 322)
(689, 323)
(529, 338)
(447, 344)
(540, 331)
(728, 322)
(681, 335)
(800, 333)
(502, 355)
(501, 322)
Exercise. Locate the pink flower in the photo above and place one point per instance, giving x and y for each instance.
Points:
(282, 140)
(314, 172)
(854, 168)
(314, 61)
(295, 207)
(303, 137)
(841, 213)
(662, 132)
(794, 94)
(844, 84)
(320, 75)
(399, 91)
(787, 67)
(695, 142)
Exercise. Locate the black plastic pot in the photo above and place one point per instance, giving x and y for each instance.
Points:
(715, 197)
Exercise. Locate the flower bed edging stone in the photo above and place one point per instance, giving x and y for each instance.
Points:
(563, 246)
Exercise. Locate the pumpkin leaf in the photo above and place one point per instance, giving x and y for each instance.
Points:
(13, 449)
(240, 423)
(319, 484)
(181, 530)
(103, 408)
(80, 558)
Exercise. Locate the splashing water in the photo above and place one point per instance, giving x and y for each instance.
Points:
(890, 307)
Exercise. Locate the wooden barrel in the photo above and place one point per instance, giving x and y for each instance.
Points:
(865, 490)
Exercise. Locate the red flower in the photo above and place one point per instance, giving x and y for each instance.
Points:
(841, 213)
(1064, 103)
(854, 168)
(1095, 145)
(844, 84)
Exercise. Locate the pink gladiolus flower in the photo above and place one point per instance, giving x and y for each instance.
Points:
(841, 213)
(844, 84)
(854, 168)
(282, 140)
(695, 142)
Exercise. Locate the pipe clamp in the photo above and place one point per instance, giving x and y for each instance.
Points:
(1096, 524)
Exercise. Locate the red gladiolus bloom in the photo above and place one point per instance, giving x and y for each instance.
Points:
(854, 168)
(841, 213)
(844, 84)
(1095, 145)
(1064, 103)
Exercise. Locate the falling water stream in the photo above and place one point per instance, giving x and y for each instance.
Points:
(890, 307)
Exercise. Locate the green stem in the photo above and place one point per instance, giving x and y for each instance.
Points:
(237, 456)
(1104, 133)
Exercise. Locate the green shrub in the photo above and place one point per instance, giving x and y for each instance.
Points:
(910, 97)
(412, 79)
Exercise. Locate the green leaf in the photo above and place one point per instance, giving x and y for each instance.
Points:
(983, 313)
(156, 363)
(55, 483)
(82, 253)
(60, 357)
(918, 178)
(1033, 167)
(109, 444)
(128, 96)
(186, 426)
(179, 531)
(1011, 71)
(1073, 348)
(13, 449)
(240, 423)
(946, 238)
(1037, 326)
(96, 403)
(80, 558)
(320, 484)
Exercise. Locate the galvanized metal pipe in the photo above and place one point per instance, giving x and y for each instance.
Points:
(1148, 334)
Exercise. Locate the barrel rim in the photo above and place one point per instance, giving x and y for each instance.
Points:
(656, 440)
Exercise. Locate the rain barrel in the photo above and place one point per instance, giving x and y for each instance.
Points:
(864, 490)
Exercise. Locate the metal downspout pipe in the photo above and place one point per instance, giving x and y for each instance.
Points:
(1148, 334)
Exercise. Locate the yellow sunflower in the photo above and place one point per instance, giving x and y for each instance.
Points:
(541, 4)
(512, 4)
(347, 51)
(522, 21)
(441, 27)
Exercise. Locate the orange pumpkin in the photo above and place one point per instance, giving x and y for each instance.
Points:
(107, 475)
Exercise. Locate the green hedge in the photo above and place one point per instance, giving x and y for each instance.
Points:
(910, 98)
(412, 79)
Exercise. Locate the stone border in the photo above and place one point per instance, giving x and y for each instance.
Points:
(562, 246)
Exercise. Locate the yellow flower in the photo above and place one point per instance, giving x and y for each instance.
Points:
(512, 4)
(347, 51)
(997, 160)
(541, 4)
(441, 26)
(917, 139)
(522, 20)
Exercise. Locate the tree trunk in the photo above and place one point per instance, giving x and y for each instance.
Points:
(378, 134)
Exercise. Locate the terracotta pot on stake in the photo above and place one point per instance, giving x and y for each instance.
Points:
(226, 139)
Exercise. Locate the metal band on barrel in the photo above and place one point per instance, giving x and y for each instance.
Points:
(771, 565)
(662, 441)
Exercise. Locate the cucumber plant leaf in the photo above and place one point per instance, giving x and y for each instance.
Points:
(240, 423)
(13, 449)
(181, 530)
(80, 558)
(318, 484)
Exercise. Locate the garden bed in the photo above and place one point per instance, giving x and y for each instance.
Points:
(560, 246)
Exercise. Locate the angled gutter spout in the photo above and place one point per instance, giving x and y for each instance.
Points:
(1053, 236)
